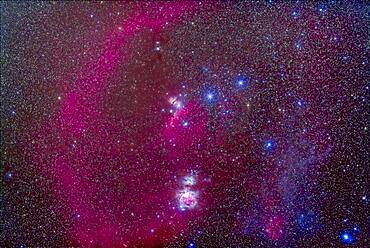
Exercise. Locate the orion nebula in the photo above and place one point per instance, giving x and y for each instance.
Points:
(185, 124)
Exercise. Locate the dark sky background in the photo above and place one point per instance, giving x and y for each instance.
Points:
(185, 124)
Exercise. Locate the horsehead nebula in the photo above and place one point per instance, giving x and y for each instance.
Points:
(184, 124)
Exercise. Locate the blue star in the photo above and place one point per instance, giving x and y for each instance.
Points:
(9, 175)
(191, 244)
(13, 112)
(346, 237)
(300, 103)
(298, 45)
(269, 145)
(211, 96)
(242, 82)
(295, 13)
(322, 9)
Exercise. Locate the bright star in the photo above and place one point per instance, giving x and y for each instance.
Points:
(211, 96)
(346, 237)
(241, 81)
(191, 244)
(269, 145)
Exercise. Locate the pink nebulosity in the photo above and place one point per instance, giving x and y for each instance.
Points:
(274, 227)
(84, 127)
(180, 137)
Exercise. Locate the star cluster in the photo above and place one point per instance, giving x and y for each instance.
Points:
(185, 124)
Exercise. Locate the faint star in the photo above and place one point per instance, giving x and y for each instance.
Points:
(185, 123)
(300, 103)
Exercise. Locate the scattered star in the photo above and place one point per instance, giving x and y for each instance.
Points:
(184, 124)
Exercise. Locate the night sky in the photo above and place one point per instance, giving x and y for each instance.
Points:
(185, 124)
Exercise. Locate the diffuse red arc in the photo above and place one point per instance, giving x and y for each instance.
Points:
(80, 115)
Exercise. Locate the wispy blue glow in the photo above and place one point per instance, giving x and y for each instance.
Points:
(205, 69)
(307, 220)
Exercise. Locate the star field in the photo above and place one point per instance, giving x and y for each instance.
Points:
(185, 124)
